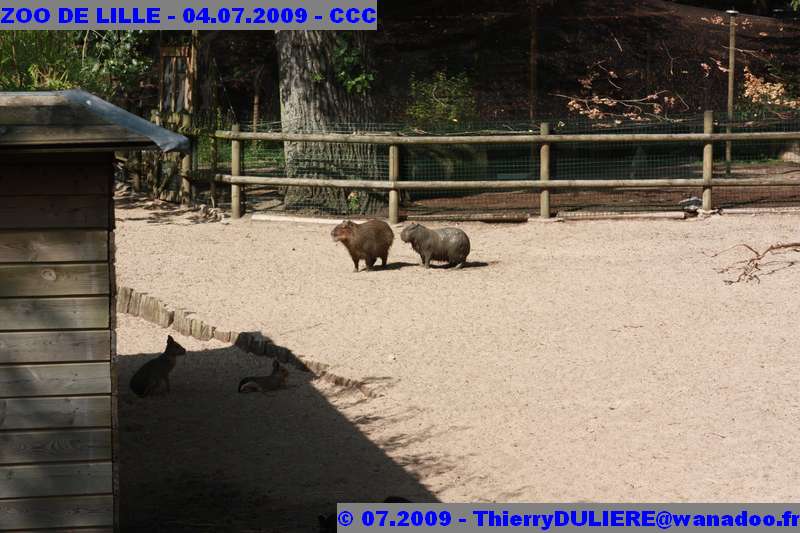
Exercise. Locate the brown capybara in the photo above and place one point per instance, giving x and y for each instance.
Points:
(367, 241)
(446, 244)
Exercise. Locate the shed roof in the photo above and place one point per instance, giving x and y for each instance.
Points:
(77, 120)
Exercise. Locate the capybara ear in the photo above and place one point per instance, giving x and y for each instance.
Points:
(170, 340)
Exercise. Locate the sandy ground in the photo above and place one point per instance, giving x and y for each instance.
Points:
(588, 361)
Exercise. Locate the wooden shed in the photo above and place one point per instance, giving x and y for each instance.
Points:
(57, 290)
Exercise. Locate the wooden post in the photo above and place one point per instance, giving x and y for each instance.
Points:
(731, 68)
(256, 109)
(394, 174)
(544, 172)
(137, 174)
(212, 177)
(708, 160)
(236, 170)
(186, 164)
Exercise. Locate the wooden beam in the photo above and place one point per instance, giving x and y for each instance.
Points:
(34, 178)
(473, 217)
(305, 182)
(54, 346)
(236, 169)
(55, 245)
(55, 446)
(35, 481)
(81, 530)
(544, 172)
(44, 279)
(51, 413)
(25, 99)
(511, 139)
(68, 379)
(62, 212)
(394, 175)
(67, 512)
(60, 115)
(69, 134)
(54, 313)
(506, 184)
(708, 160)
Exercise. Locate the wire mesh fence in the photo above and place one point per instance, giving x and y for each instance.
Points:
(498, 162)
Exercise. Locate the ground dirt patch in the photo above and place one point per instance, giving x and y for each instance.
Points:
(586, 361)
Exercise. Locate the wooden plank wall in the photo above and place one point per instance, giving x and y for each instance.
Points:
(56, 341)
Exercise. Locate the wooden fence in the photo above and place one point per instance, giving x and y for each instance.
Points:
(544, 184)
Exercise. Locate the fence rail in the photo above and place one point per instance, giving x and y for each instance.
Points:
(543, 141)
(509, 139)
(378, 185)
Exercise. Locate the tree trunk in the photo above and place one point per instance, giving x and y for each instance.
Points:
(208, 81)
(257, 97)
(534, 60)
(313, 100)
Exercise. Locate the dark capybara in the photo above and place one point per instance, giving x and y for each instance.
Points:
(445, 244)
(367, 241)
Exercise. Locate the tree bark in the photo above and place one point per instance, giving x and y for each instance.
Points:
(313, 100)
(257, 97)
(534, 60)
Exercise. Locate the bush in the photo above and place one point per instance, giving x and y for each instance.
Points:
(441, 100)
(105, 63)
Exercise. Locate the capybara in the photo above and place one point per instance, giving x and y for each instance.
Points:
(446, 244)
(274, 381)
(367, 241)
(156, 371)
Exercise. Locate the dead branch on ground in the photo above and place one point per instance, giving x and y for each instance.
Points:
(751, 269)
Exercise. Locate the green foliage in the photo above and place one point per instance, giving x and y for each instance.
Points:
(441, 99)
(117, 60)
(796, 5)
(43, 60)
(353, 203)
(350, 65)
(105, 63)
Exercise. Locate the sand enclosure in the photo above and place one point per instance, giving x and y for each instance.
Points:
(602, 361)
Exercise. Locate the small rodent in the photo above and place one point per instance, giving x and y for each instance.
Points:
(156, 371)
(367, 241)
(274, 381)
(445, 244)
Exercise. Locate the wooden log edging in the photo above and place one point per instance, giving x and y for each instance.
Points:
(186, 322)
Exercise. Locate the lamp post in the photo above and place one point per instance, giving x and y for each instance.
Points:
(731, 66)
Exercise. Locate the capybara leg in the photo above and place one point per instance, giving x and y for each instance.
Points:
(355, 265)
(383, 259)
(370, 262)
(426, 261)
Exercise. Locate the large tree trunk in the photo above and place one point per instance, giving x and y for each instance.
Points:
(313, 100)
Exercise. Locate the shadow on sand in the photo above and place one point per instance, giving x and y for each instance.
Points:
(205, 458)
